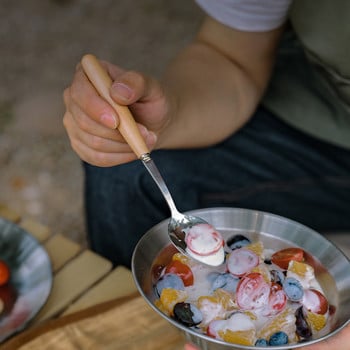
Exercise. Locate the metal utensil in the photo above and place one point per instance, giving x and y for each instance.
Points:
(179, 224)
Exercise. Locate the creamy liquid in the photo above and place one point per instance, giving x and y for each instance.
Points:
(205, 244)
(214, 259)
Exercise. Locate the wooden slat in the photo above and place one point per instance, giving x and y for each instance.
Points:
(117, 283)
(131, 325)
(9, 214)
(38, 230)
(61, 250)
(72, 280)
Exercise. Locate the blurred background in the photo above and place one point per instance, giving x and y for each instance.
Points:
(41, 41)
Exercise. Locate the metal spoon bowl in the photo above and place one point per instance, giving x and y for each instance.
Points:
(179, 224)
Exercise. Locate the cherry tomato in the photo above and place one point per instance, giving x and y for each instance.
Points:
(182, 270)
(315, 301)
(252, 292)
(4, 273)
(282, 257)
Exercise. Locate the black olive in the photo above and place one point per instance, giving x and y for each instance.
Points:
(303, 330)
(238, 241)
(187, 314)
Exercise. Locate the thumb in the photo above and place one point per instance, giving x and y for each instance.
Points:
(132, 86)
(128, 87)
(122, 92)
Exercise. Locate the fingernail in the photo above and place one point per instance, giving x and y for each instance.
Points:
(109, 120)
(122, 90)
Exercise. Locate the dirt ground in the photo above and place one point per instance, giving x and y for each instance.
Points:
(40, 44)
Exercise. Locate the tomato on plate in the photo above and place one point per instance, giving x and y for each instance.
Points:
(4, 273)
(282, 257)
(182, 270)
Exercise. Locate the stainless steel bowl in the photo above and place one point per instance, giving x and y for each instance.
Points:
(333, 270)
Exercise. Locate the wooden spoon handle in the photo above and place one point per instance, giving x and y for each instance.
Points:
(102, 83)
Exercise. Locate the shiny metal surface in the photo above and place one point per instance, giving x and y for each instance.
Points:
(275, 232)
(178, 223)
(31, 278)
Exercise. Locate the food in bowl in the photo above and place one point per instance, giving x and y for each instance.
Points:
(204, 243)
(259, 296)
(331, 266)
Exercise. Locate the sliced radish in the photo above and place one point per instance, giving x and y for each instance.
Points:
(252, 292)
(277, 300)
(203, 239)
(241, 261)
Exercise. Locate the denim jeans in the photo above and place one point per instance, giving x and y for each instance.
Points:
(267, 165)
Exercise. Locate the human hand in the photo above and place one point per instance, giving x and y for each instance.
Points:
(91, 122)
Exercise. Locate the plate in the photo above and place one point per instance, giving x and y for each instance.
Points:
(31, 278)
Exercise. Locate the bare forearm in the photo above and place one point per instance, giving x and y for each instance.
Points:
(211, 100)
(212, 94)
(208, 92)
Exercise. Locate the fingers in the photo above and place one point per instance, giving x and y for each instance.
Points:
(132, 86)
(94, 149)
(103, 147)
(99, 158)
(92, 124)
(83, 95)
(75, 117)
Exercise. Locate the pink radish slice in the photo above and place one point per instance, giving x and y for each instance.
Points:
(203, 239)
(252, 292)
(241, 261)
(277, 300)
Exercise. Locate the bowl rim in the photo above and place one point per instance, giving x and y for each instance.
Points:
(217, 341)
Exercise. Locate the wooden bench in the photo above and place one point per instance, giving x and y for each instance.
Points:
(81, 278)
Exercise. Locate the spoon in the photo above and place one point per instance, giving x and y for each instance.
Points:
(191, 235)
